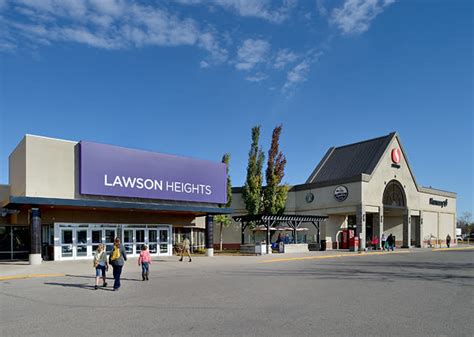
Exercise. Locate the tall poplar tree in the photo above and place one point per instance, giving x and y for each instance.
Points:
(274, 194)
(252, 192)
(223, 219)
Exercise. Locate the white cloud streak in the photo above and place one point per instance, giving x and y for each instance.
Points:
(354, 16)
(107, 24)
(261, 9)
(284, 57)
(251, 53)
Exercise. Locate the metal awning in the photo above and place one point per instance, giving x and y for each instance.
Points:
(15, 202)
(269, 221)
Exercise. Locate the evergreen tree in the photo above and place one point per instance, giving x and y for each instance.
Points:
(252, 192)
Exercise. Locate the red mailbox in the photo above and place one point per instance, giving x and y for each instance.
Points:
(344, 239)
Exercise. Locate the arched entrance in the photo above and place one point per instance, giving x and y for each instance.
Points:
(394, 195)
(397, 219)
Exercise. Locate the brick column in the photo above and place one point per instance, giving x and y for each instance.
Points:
(35, 237)
(360, 225)
(209, 235)
(406, 229)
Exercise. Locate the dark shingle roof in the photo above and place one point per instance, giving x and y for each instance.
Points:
(351, 160)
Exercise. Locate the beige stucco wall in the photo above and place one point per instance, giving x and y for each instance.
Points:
(325, 203)
(393, 225)
(372, 191)
(446, 226)
(17, 169)
(430, 224)
(4, 193)
(43, 167)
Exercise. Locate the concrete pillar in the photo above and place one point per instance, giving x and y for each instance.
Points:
(360, 225)
(422, 231)
(378, 225)
(419, 230)
(209, 235)
(406, 229)
(35, 237)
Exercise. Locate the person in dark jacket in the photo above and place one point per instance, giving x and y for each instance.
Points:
(448, 240)
(391, 242)
(117, 259)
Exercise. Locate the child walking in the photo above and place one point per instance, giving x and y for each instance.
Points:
(145, 260)
(100, 265)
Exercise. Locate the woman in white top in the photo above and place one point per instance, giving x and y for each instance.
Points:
(101, 265)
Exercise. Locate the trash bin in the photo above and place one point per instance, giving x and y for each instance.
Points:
(323, 245)
(354, 244)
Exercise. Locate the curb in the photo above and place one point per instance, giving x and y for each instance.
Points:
(26, 276)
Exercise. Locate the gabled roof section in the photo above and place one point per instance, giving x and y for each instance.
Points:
(351, 160)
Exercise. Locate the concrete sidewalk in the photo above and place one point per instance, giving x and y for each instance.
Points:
(19, 270)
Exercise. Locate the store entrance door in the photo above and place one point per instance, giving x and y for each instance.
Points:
(14, 242)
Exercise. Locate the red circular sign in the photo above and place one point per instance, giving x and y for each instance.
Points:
(396, 155)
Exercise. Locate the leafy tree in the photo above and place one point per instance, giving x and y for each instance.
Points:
(252, 192)
(223, 219)
(274, 194)
(465, 219)
(466, 223)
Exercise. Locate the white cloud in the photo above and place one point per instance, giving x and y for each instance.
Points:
(204, 64)
(322, 10)
(297, 75)
(261, 9)
(108, 24)
(258, 77)
(355, 16)
(252, 52)
(284, 57)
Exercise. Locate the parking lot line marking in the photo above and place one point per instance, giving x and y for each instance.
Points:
(17, 277)
(332, 256)
(454, 248)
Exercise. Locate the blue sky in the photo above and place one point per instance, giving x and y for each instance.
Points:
(191, 77)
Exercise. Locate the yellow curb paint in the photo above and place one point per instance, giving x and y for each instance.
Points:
(17, 277)
(446, 249)
(331, 256)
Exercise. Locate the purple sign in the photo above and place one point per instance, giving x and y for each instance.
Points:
(117, 171)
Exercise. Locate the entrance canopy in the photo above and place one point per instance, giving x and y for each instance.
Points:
(269, 222)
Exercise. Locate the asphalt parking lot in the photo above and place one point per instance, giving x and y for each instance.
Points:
(415, 294)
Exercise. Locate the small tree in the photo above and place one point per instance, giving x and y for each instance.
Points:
(274, 194)
(223, 219)
(252, 192)
(466, 223)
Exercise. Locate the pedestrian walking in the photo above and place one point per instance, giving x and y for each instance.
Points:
(448, 240)
(145, 260)
(185, 248)
(100, 265)
(382, 238)
(117, 259)
(390, 242)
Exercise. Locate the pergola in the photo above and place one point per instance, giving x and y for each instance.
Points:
(293, 221)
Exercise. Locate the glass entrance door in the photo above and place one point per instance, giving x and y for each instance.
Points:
(153, 241)
(128, 240)
(66, 242)
(81, 242)
(164, 241)
(109, 237)
(140, 239)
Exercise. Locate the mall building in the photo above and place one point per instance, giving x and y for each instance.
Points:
(64, 198)
(366, 189)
